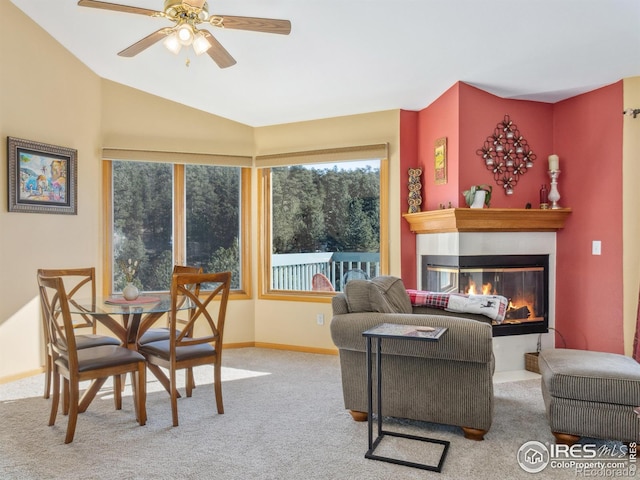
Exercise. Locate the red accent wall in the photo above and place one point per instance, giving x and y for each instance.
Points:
(467, 116)
(480, 112)
(586, 133)
(440, 119)
(408, 159)
(589, 295)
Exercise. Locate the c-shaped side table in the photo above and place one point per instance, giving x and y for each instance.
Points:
(403, 332)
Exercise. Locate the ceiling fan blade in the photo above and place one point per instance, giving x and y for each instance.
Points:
(145, 43)
(255, 24)
(217, 52)
(118, 8)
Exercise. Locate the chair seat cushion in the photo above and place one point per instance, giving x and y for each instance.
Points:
(154, 335)
(91, 340)
(161, 349)
(591, 376)
(101, 357)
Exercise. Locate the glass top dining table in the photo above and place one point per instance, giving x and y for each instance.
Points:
(137, 317)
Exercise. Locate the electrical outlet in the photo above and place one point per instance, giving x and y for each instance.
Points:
(320, 318)
(596, 247)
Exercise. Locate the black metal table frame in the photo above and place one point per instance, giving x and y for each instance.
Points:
(381, 433)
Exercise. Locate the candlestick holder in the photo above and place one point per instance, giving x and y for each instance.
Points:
(554, 195)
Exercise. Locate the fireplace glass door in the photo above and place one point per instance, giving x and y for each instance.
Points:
(522, 279)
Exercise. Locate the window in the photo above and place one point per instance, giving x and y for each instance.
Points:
(143, 223)
(212, 214)
(164, 214)
(322, 222)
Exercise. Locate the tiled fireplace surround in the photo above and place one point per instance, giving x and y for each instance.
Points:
(463, 232)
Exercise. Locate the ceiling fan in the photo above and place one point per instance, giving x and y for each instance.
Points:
(187, 15)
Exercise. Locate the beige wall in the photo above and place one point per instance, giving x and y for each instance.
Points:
(47, 95)
(135, 120)
(630, 215)
(294, 323)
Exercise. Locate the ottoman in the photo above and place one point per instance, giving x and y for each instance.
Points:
(590, 394)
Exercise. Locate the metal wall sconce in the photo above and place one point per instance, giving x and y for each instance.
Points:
(507, 154)
(631, 112)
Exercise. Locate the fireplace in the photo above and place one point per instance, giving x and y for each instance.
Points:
(522, 279)
(465, 233)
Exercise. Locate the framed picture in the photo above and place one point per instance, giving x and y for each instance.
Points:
(440, 160)
(42, 178)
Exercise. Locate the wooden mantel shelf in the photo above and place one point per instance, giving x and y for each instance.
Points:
(487, 220)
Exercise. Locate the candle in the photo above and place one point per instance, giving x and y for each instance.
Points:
(553, 162)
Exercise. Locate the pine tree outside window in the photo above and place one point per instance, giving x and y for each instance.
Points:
(164, 214)
(322, 219)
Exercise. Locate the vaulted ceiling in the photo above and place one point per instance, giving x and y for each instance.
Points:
(347, 57)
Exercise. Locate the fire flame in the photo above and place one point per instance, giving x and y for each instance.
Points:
(487, 289)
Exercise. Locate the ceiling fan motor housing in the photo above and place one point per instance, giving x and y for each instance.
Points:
(179, 9)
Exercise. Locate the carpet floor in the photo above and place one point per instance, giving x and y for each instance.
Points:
(284, 419)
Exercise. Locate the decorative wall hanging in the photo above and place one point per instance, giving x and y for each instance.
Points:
(415, 197)
(507, 154)
(440, 160)
(42, 178)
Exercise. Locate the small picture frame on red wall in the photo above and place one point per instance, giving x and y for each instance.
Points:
(440, 160)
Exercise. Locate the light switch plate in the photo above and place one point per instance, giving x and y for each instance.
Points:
(596, 247)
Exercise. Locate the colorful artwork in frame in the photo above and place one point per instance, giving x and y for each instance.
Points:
(42, 178)
(440, 160)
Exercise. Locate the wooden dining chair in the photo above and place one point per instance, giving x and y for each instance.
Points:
(199, 342)
(77, 365)
(79, 283)
(155, 334)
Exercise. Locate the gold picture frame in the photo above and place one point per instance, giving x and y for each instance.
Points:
(440, 160)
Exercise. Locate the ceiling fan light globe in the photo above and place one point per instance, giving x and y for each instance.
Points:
(185, 34)
(173, 43)
(200, 44)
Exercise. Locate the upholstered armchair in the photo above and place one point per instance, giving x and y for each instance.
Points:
(447, 382)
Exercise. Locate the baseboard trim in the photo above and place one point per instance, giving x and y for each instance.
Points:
(296, 348)
(273, 346)
(515, 376)
(21, 375)
(238, 345)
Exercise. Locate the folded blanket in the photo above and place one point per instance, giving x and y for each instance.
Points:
(492, 306)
